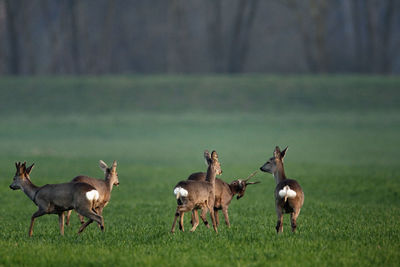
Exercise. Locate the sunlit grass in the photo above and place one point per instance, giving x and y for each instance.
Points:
(345, 160)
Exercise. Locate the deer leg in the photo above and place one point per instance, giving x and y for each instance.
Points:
(194, 214)
(83, 226)
(216, 216)
(182, 210)
(61, 222)
(225, 212)
(293, 218)
(279, 224)
(81, 218)
(195, 220)
(68, 216)
(174, 223)
(99, 211)
(181, 221)
(203, 216)
(35, 215)
(212, 215)
(92, 217)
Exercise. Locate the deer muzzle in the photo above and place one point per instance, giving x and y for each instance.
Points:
(13, 187)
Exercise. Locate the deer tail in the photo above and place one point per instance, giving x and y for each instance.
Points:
(286, 192)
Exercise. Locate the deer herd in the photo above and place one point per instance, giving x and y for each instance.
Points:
(200, 191)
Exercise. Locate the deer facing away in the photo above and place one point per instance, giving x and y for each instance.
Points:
(289, 196)
(224, 193)
(104, 187)
(192, 195)
(57, 198)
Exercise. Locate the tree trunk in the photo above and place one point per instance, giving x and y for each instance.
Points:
(244, 49)
(241, 35)
(358, 37)
(237, 27)
(13, 38)
(318, 14)
(372, 38)
(214, 29)
(304, 35)
(28, 47)
(106, 63)
(73, 11)
(386, 66)
(349, 31)
(177, 58)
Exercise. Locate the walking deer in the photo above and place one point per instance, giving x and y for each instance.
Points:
(224, 193)
(289, 196)
(57, 198)
(104, 187)
(192, 195)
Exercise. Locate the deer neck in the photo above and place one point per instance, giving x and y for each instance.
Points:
(232, 191)
(279, 173)
(30, 189)
(109, 184)
(210, 176)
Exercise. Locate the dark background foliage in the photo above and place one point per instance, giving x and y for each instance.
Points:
(199, 36)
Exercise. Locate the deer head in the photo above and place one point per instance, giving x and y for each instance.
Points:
(239, 186)
(110, 173)
(21, 176)
(212, 161)
(271, 165)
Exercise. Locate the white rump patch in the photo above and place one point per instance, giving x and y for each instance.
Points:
(286, 192)
(92, 195)
(180, 191)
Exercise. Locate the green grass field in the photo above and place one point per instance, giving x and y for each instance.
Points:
(343, 134)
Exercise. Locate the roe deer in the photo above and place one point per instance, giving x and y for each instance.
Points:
(289, 196)
(198, 194)
(104, 187)
(57, 198)
(224, 193)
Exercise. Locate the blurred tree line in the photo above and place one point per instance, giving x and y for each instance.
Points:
(199, 36)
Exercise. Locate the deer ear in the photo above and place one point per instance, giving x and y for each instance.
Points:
(207, 157)
(18, 166)
(103, 166)
(23, 167)
(277, 152)
(214, 155)
(29, 169)
(283, 153)
(114, 166)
